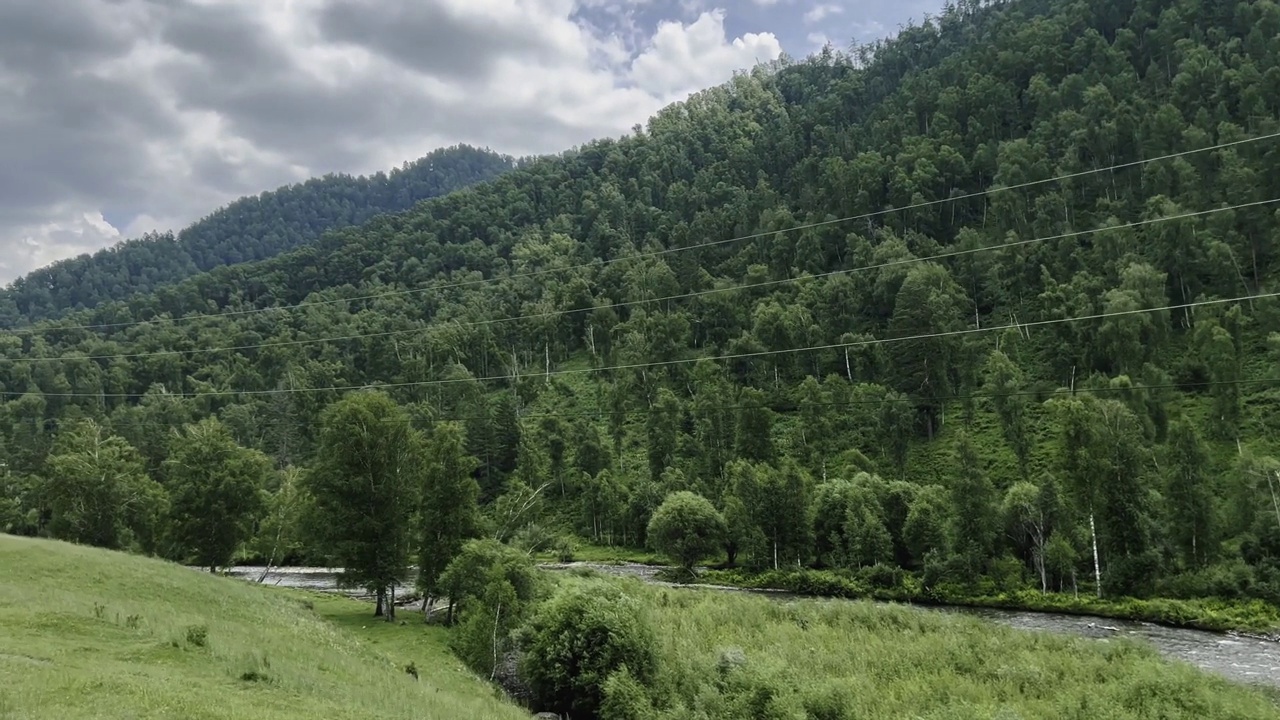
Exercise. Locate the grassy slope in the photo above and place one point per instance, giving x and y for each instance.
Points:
(856, 660)
(69, 649)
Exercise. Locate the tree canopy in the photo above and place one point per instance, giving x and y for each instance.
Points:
(994, 296)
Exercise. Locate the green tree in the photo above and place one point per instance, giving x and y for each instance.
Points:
(973, 501)
(97, 491)
(1030, 509)
(364, 486)
(1190, 496)
(281, 535)
(1004, 383)
(216, 493)
(687, 528)
(928, 305)
(448, 513)
(491, 588)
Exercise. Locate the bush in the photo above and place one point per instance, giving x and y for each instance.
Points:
(624, 698)
(577, 640)
(880, 575)
(198, 635)
(566, 548)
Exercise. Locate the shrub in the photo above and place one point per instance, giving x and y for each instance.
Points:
(198, 635)
(566, 548)
(577, 640)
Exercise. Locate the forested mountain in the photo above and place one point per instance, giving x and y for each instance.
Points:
(924, 306)
(249, 229)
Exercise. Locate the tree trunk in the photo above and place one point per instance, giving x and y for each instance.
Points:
(391, 605)
(775, 554)
(382, 600)
(1044, 579)
(497, 614)
(1275, 502)
(1097, 568)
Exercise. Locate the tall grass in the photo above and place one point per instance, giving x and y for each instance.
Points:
(87, 633)
(738, 656)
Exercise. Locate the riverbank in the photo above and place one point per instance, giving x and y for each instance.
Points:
(738, 654)
(1256, 619)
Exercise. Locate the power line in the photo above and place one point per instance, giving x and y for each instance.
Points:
(681, 296)
(686, 361)
(655, 253)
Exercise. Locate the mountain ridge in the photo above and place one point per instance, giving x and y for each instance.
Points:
(251, 228)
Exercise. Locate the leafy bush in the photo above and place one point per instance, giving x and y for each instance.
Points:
(577, 640)
(198, 635)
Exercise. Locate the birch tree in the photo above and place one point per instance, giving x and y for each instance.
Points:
(364, 485)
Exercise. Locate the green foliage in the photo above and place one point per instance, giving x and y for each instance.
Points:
(736, 656)
(479, 566)
(363, 486)
(96, 490)
(492, 587)
(686, 527)
(684, 309)
(215, 493)
(578, 640)
(448, 514)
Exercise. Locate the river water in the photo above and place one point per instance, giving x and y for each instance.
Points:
(1241, 659)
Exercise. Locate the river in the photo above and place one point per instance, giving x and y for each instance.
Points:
(1241, 659)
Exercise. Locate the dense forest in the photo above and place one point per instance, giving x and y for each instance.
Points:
(992, 299)
(249, 229)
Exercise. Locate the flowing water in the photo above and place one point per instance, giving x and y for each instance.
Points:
(1241, 659)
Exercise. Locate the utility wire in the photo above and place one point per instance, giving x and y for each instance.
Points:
(655, 253)
(685, 361)
(669, 298)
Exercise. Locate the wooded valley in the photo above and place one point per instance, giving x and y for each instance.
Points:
(990, 305)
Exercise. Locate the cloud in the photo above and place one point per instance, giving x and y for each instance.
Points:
(684, 58)
(152, 113)
(818, 12)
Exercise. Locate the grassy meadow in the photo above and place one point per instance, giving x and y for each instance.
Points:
(87, 633)
(727, 655)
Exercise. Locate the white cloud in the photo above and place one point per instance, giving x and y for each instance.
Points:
(817, 39)
(686, 58)
(197, 102)
(79, 231)
(821, 11)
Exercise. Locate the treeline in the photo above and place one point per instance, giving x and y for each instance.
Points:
(833, 298)
(247, 230)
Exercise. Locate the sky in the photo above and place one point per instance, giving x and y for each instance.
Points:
(120, 117)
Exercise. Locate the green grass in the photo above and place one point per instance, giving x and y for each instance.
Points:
(603, 554)
(1252, 616)
(727, 656)
(87, 633)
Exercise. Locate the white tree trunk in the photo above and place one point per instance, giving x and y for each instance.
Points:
(1097, 569)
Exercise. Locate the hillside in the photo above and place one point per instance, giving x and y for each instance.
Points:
(89, 633)
(991, 305)
(249, 229)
